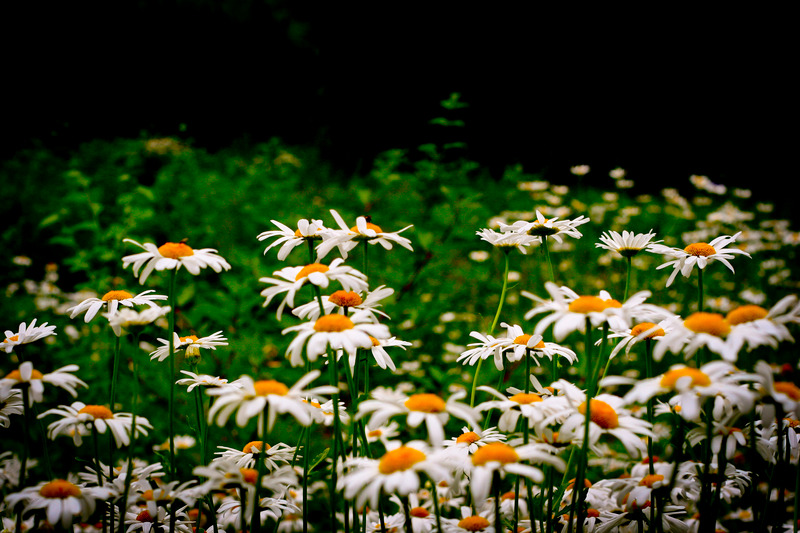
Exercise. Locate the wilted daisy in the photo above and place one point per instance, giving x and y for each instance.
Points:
(78, 419)
(346, 238)
(27, 376)
(172, 256)
(349, 301)
(289, 280)
(112, 300)
(398, 472)
(307, 231)
(251, 399)
(503, 459)
(385, 403)
(698, 253)
(125, 320)
(61, 501)
(508, 239)
(26, 334)
(10, 404)
(335, 331)
(273, 456)
(628, 244)
(543, 227)
(190, 343)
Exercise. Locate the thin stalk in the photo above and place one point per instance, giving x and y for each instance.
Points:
(549, 260)
(407, 513)
(648, 360)
(577, 489)
(26, 440)
(498, 517)
(334, 381)
(115, 373)
(706, 518)
(171, 369)
(306, 454)
(494, 324)
(96, 448)
(795, 516)
(255, 520)
(45, 449)
(628, 277)
(700, 290)
(436, 510)
(129, 469)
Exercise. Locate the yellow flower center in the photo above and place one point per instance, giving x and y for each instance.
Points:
(97, 411)
(469, 437)
(426, 403)
(308, 269)
(255, 446)
(586, 483)
(59, 489)
(540, 229)
(591, 304)
(175, 250)
(670, 377)
(333, 323)
(710, 323)
(144, 516)
(788, 388)
(592, 513)
(746, 313)
(264, 387)
(601, 414)
(419, 512)
(116, 295)
(375, 433)
(375, 342)
(401, 458)
(16, 376)
(189, 338)
(495, 451)
(651, 479)
(523, 398)
(473, 523)
(345, 299)
(523, 340)
(700, 249)
(249, 475)
(638, 329)
(370, 225)
(13, 338)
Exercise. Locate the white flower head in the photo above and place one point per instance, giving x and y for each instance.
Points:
(113, 299)
(26, 334)
(27, 376)
(76, 421)
(507, 240)
(172, 256)
(698, 253)
(346, 238)
(190, 343)
(543, 227)
(125, 320)
(628, 244)
(289, 239)
(62, 501)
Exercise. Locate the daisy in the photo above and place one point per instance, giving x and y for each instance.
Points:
(63, 502)
(274, 456)
(385, 434)
(698, 253)
(430, 408)
(324, 413)
(204, 380)
(470, 440)
(28, 376)
(10, 404)
(172, 256)
(503, 459)
(784, 393)
(180, 442)
(190, 343)
(691, 386)
(542, 227)
(698, 330)
(630, 336)
(628, 244)
(766, 326)
(252, 398)
(398, 472)
(379, 353)
(289, 239)
(137, 519)
(529, 405)
(346, 301)
(524, 344)
(78, 420)
(471, 522)
(487, 345)
(339, 332)
(507, 239)
(113, 299)
(26, 334)
(346, 238)
(126, 320)
(289, 280)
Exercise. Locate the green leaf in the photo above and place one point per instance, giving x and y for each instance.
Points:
(318, 459)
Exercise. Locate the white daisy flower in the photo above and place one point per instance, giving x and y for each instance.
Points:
(26, 334)
(10, 404)
(698, 253)
(113, 299)
(339, 332)
(204, 380)
(137, 519)
(76, 421)
(470, 439)
(766, 326)
(503, 459)
(274, 456)
(172, 256)
(27, 376)
(628, 244)
(785, 393)
(524, 344)
(251, 399)
(529, 405)
(471, 522)
(288, 239)
(543, 227)
(396, 472)
(289, 280)
(698, 330)
(641, 331)
(349, 301)
(346, 238)
(126, 320)
(487, 345)
(323, 412)
(430, 408)
(190, 343)
(385, 434)
(61, 501)
(180, 442)
(507, 239)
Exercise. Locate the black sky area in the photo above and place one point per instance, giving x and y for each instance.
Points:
(662, 93)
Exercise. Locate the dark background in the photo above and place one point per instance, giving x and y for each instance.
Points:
(661, 92)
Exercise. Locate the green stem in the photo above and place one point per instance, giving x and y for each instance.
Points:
(628, 278)
(706, 519)
(578, 494)
(255, 520)
(129, 470)
(549, 260)
(648, 363)
(498, 516)
(201, 420)
(334, 382)
(171, 370)
(114, 373)
(306, 453)
(436, 510)
(407, 513)
(700, 290)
